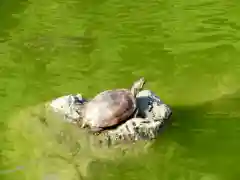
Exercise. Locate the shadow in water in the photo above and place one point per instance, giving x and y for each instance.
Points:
(208, 135)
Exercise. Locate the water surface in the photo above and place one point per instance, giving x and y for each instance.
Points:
(187, 50)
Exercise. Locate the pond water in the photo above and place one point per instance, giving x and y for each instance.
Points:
(187, 50)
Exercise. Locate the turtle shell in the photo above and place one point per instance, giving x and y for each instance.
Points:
(109, 108)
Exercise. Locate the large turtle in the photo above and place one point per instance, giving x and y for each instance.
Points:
(112, 107)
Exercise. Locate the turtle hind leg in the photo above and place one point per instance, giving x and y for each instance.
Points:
(95, 130)
(83, 125)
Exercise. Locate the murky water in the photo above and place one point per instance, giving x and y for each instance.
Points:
(187, 50)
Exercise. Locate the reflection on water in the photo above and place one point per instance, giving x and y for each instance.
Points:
(187, 50)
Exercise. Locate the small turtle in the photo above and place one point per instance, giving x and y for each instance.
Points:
(112, 107)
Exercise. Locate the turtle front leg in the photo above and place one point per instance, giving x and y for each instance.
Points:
(135, 113)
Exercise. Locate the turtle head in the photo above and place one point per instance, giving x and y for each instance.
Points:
(138, 86)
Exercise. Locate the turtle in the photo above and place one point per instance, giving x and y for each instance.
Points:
(110, 108)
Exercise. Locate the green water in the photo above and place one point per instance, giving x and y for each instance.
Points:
(187, 50)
